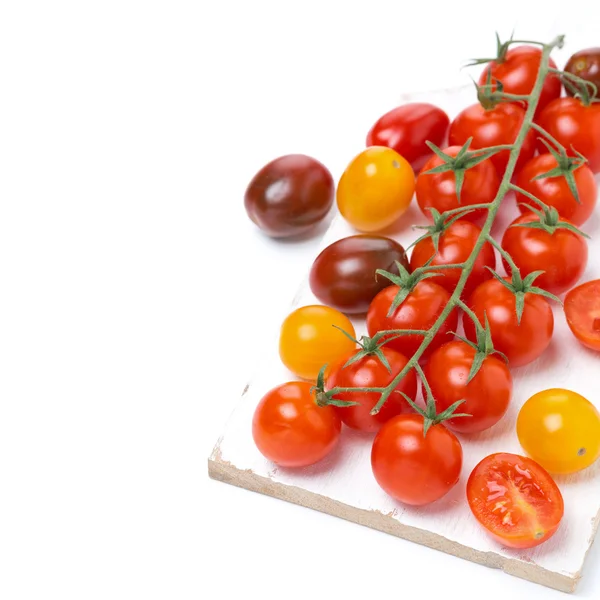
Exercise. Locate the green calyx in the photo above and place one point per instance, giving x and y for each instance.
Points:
(548, 220)
(435, 231)
(324, 398)
(368, 347)
(585, 91)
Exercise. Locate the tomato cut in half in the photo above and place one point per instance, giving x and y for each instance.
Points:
(515, 499)
(582, 309)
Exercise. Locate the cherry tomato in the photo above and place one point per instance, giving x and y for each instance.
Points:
(308, 339)
(376, 188)
(521, 343)
(370, 372)
(518, 72)
(455, 246)
(438, 190)
(420, 310)
(414, 468)
(582, 309)
(574, 125)
(515, 499)
(343, 275)
(493, 127)
(560, 430)
(585, 64)
(291, 430)
(406, 128)
(290, 195)
(555, 192)
(486, 396)
(562, 255)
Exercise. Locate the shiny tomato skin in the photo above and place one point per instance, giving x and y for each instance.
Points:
(343, 275)
(515, 500)
(585, 64)
(290, 195)
(562, 255)
(291, 430)
(420, 310)
(555, 192)
(438, 190)
(521, 343)
(486, 396)
(370, 372)
(518, 72)
(455, 246)
(413, 468)
(582, 310)
(406, 128)
(494, 127)
(574, 125)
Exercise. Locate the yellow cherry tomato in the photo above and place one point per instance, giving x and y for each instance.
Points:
(375, 189)
(560, 430)
(308, 340)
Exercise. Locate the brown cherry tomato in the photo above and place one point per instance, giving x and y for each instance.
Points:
(585, 64)
(289, 195)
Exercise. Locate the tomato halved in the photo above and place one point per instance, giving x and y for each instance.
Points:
(515, 499)
(582, 309)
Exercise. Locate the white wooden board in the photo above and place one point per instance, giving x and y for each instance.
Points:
(343, 484)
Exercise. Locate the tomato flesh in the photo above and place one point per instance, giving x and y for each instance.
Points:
(515, 499)
(582, 309)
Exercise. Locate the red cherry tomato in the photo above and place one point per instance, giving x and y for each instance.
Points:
(486, 396)
(582, 309)
(493, 127)
(562, 255)
(438, 190)
(521, 343)
(406, 129)
(518, 72)
(455, 246)
(555, 192)
(414, 468)
(574, 126)
(291, 430)
(370, 372)
(515, 499)
(420, 310)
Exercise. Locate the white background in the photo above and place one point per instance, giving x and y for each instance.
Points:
(134, 291)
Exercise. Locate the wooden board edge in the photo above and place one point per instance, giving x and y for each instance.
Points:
(224, 471)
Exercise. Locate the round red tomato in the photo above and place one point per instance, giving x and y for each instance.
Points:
(291, 430)
(455, 246)
(562, 255)
(521, 343)
(414, 468)
(493, 127)
(486, 396)
(518, 72)
(555, 192)
(406, 129)
(420, 310)
(438, 190)
(582, 309)
(370, 372)
(515, 499)
(574, 125)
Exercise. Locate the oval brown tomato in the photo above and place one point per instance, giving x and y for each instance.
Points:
(582, 309)
(289, 195)
(574, 125)
(406, 128)
(515, 499)
(562, 255)
(455, 246)
(414, 468)
(521, 343)
(420, 310)
(343, 275)
(585, 64)
(555, 192)
(493, 127)
(438, 190)
(369, 371)
(291, 430)
(486, 396)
